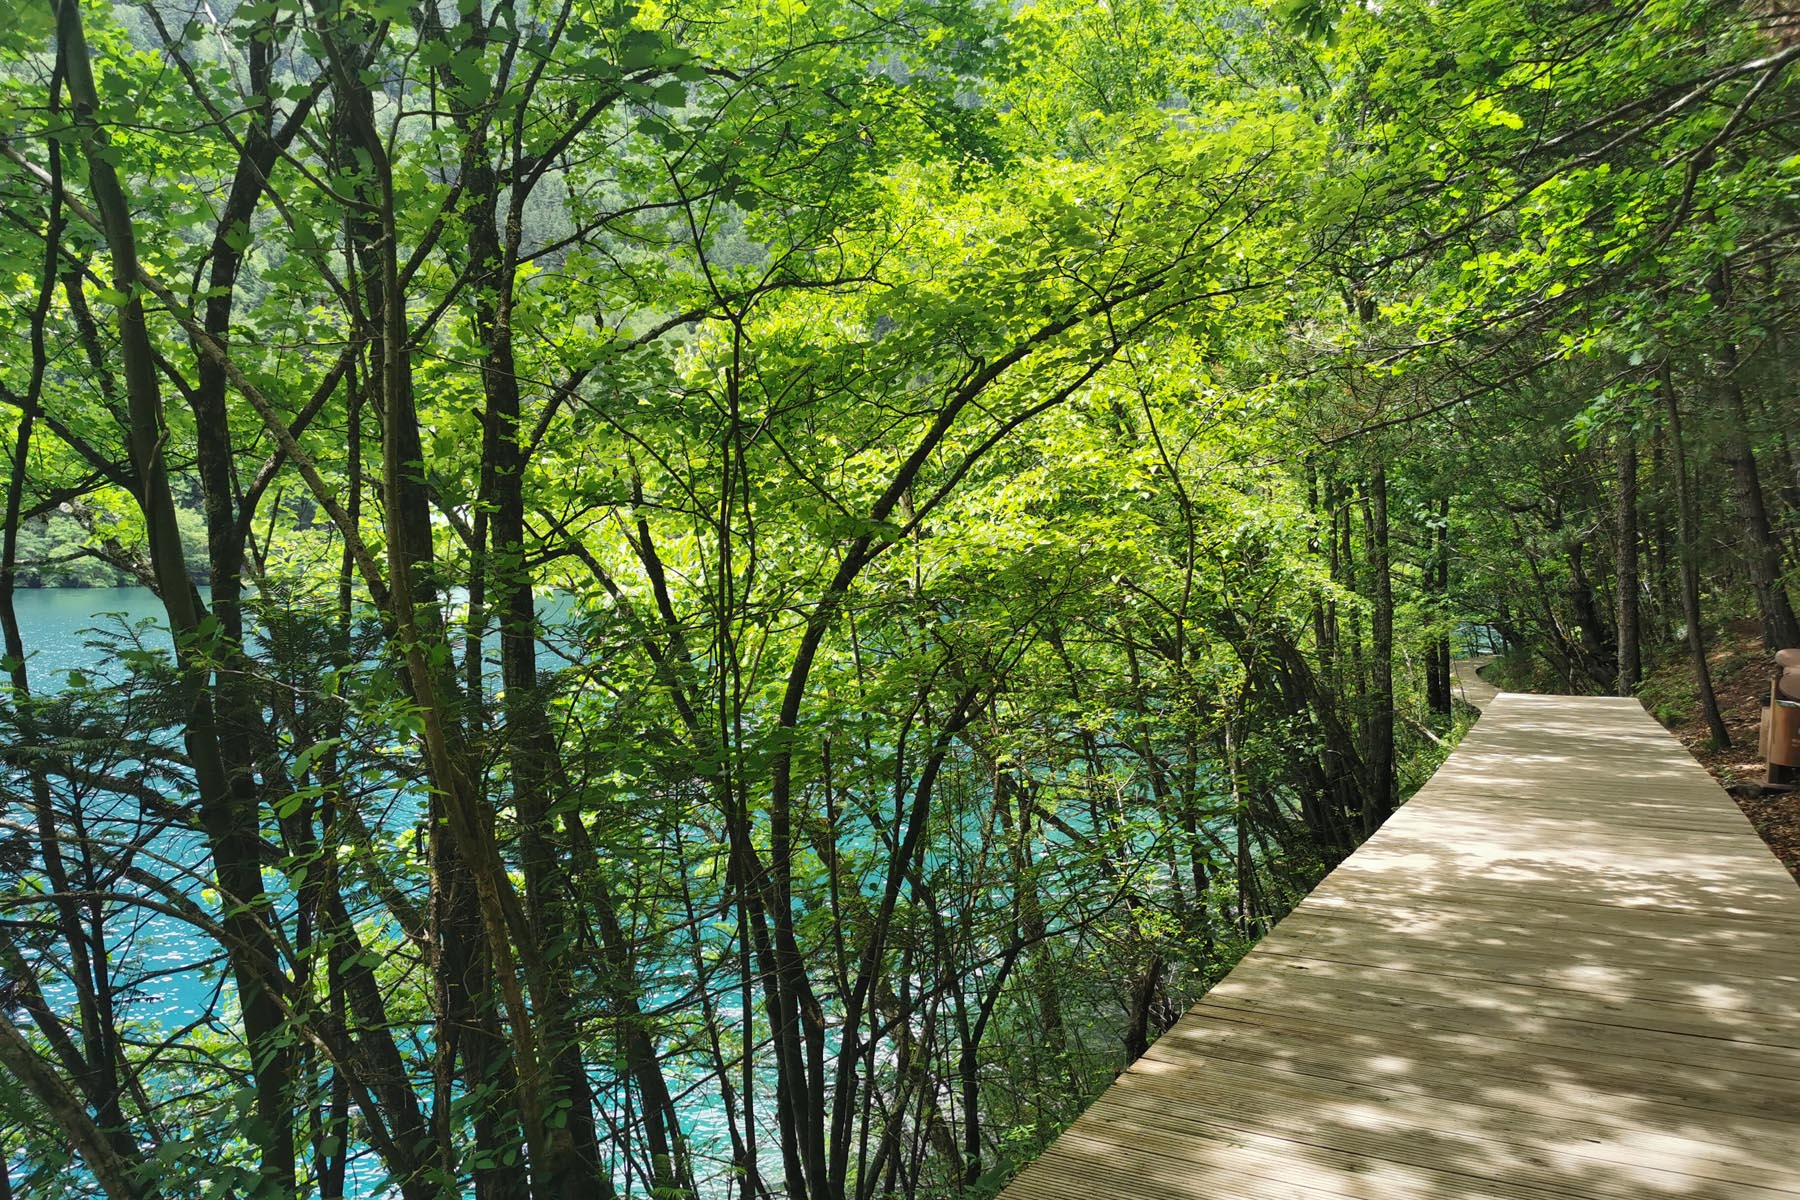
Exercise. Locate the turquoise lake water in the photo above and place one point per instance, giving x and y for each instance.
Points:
(63, 631)
(54, 624)
(66, 630)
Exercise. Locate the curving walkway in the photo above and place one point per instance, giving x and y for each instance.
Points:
(1567, 968)
(1471, 688)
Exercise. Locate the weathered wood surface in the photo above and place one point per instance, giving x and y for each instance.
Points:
(1568, 967)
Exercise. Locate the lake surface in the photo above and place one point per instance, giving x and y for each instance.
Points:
(55, 625)
(66, 630)
(72, 630)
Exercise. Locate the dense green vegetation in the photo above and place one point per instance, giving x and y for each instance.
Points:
(786, 583)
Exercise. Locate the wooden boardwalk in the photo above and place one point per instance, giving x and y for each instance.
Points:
(1567, 968)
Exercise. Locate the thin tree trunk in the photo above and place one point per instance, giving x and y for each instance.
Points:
(1687, 538)
(1594, 649)
(1444, 596)
(1034, 929)
(1662, 558)
(1630, 652)
(1144, 991)
(1322, 623)
(1437, 661)
(1381, 653)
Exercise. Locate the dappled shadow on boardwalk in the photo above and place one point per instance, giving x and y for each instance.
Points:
(1567, 968)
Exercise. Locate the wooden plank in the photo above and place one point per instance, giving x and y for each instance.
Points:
(1470, 956)
(1663, 826)
(1694, 931)
(1595, 879)
(1772, 1037)
(1665, 1144)
(1566, 969)
(1397, 1048)
(1747, 951)
(1396, 1137)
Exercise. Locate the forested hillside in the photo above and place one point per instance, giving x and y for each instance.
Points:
(782, 584)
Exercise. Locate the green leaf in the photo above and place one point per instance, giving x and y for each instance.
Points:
(640, 48)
